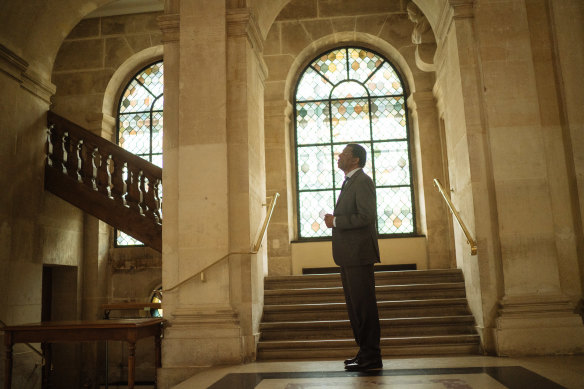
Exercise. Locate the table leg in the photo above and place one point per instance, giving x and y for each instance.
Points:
(8, 360)
(46, 370)
(131, 364)
(157, 357)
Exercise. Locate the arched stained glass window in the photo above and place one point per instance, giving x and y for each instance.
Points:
(352, 95)
(140, 122)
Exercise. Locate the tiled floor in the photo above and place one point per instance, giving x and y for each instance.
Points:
(470, 372)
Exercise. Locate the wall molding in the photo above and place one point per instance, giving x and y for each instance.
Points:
(18, 69)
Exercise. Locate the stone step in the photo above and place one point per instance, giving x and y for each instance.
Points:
(404, 277)
(387, 310)
(343, 348)
(383, 292)
(341, 329)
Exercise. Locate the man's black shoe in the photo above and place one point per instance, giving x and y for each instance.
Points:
(351, 360)
(361, 365)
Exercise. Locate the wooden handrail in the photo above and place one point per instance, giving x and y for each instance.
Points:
(104, 180)
(255, 249)
(469, 239)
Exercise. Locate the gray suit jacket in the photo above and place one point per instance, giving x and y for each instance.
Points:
(355, 234)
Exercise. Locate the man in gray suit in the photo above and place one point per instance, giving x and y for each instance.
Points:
(355, 250)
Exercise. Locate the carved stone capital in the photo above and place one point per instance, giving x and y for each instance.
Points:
(170, 26)
(421, 100)
(453, 9)
(241, 22)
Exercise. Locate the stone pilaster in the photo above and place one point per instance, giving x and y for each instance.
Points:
(278, 119)
(429, 165)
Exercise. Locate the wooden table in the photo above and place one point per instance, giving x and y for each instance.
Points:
(128, 330)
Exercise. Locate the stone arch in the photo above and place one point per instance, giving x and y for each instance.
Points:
(123, 74)
(290, 45)
(347, 38)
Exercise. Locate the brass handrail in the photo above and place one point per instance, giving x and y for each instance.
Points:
(469, 239)
(255, 249)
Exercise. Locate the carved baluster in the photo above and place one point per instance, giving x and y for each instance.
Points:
(108, 179)
(141, 189)
(133, 184)
(64, 153)
(157, 192)
(118, 175)
(102, 176)
(78, 161)
(88, 168)
(147, 196)
(95, 161)
(50, 134)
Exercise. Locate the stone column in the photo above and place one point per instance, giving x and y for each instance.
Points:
(503, 180)
(214, 187)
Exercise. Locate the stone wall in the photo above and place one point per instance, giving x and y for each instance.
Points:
(304, 29)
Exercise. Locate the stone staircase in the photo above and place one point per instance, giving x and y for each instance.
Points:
(422, 312)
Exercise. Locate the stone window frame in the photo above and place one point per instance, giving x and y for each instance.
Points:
(134, 77)
(408, 139)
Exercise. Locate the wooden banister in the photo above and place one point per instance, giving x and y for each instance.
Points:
(104, 180)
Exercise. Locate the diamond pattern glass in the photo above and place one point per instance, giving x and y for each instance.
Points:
(350, 120)
(313, 123)
(392, 163)
(140, 122)
(348, 89)
(332, 65)
(362, 63)
(311, 206)
(313, 86)
(314, 167)
(388, 118)
(385, 81)
(123, 239)
(356, 96)
(394, 211)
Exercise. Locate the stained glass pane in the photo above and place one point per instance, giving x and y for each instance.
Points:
(158, 104)
(123, 239)
(134, 132)
(350, 120)
(313, 86)
(392, 164)
(140, 122)
(151, 78)
(312, 123)
(385, 82)
(339, 175)
(311, 206)
(333, 65)
(373, 115)
(136, 98)
(394, 211)
(362, 63)
(348, 89)
(388, 116)
(314, 167)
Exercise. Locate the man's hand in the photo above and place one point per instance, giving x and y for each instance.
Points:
(328, 219)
